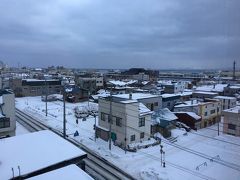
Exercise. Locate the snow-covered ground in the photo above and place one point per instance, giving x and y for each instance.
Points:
(20, 129)
(146, 163)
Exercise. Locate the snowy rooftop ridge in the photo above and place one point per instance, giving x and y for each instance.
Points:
(35, 151)
(69, 172)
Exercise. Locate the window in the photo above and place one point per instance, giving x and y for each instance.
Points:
(104, 116)
(5, 123)
(232, 126)
(118, 121)
(141, 122)
(132, 137)
(141, 135)
(205, 113)
(213, 111)
(156, 104)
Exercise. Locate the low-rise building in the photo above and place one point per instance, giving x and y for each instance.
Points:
(227, 102)
(208, 109)
(35, 87)
(7, 114)
(131, 121)
(232, 90)
(170, 100)
(231, 121)
(174, 87)
(204, 94)
(152, 102)
(191, 119)
(163, 121)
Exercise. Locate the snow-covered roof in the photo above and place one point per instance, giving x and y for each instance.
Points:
(188, 103)
(235, 109)
(225, 97)
(144, 110)
(205, 92)
(71, 172)
(214, 88)
(169, 95)
(163, 114)
(137, 96)
(192, 114)
(118, 83)
(34, 151)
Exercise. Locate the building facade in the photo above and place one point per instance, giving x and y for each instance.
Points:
(131, 121)
(7, 113)
(35, 87)
(231, 122)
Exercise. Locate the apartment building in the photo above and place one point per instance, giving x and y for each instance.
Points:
(7, 113)
(35, 87)
(227, 102)
(231, 121)
(170, 100)
(131, 121)
(208, 109)
(174, 87)
(232, 90)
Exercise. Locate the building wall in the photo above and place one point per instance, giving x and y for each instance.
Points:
(234, 119)
(210, 113)
(129, 124)
(8, 109)
(174, 88)
(203, 95)
(227, 103)
(154, 103)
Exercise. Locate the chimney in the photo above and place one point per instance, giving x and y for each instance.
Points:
(130, 96)
(234, 69)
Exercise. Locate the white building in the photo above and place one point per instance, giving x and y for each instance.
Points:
(231, 122)
(131, 121)
(227, 102)
(153, 102)
(7, 113)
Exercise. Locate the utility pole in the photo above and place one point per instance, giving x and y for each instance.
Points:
(46, 96)
(95, 126)
(64, 114)
(161, 151)
(110, 122)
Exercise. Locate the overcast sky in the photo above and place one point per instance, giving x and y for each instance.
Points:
(156, 34)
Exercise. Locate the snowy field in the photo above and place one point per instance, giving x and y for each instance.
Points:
(187, 158)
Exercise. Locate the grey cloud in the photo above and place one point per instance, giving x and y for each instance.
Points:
(120, 34)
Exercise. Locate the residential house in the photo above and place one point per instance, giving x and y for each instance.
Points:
(208, 109)
(131, 121)
(75, 94)
(231, 121)
(170, 100)
(232, 90)
(227, 102)
(163, 122)
(191, 119)
(204, 94)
